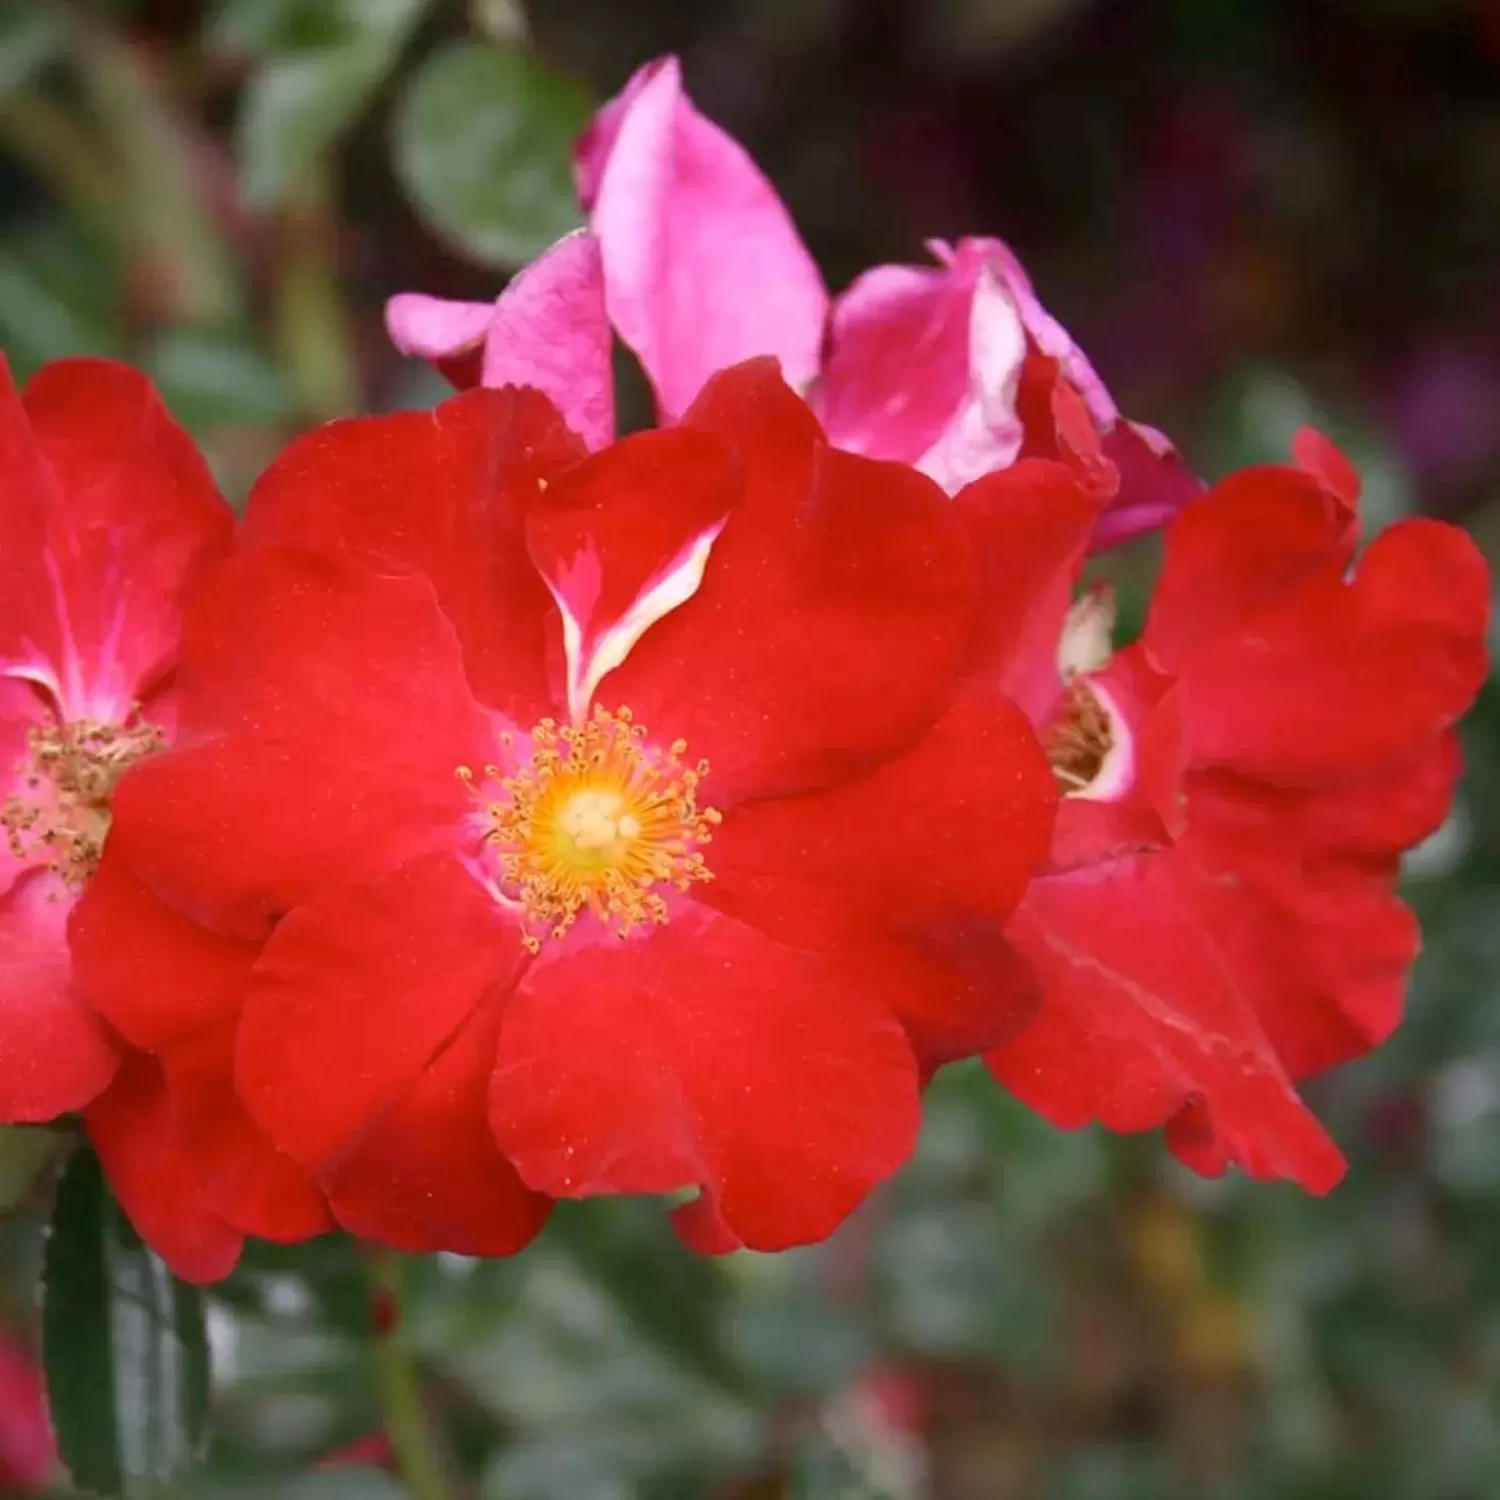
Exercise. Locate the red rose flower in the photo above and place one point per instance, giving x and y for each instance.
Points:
(1219, 917)
(556, 824)
(110, 519)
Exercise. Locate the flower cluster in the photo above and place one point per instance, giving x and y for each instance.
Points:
(501, 811)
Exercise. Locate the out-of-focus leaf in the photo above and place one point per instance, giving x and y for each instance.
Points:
(305, 95)
(238, 30)
(123, 1345)
(482, 146)
(30, 38)
(56, 296)
(210, 377)
(24, 1152)
(673, 1300)
(354, 1483)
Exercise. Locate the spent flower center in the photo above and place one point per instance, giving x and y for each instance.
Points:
(60, 812)
(1079, 740)
(597, 820)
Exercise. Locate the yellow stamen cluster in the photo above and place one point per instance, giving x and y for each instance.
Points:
(61, 812)
(1080, 739)
(598, 820)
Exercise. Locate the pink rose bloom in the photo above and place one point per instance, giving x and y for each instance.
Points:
(693, 260)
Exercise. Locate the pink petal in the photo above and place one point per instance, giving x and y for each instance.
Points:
(448, 334)
(925, 368)
(547, 330)
(703, 267)
(550, 331)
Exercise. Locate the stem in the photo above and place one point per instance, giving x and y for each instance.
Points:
(398, 1385)
(312, 323)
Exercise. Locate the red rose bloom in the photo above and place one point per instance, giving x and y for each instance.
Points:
(555, 824)
(1219, 916)
(110, 519)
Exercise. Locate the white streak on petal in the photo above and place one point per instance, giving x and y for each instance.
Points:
(589, 665)
(986, 433)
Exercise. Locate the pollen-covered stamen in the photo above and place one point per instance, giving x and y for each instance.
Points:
(597, 820)
(1080, 739)
(60, 814)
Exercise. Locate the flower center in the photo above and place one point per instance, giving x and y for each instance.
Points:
(598, 820)
(1080, 739)
(60, 814)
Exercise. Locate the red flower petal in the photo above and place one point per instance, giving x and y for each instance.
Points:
(428, 1175)
(443, 493)
(132, 1129)
(105, 534)
(1385, 813)
(832, 615)
(55, 1054)
(1030, 526)
(355, 994)
(1323, 946)
(241, 1176)
(707, 1054)
(236, 832)
(622, 540)
(292, 644)
(1143, 1017)
(153, 974)
(1246, 546)
(1347, 675)
(951, 829)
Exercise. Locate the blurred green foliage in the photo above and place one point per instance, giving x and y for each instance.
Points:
(226, 195)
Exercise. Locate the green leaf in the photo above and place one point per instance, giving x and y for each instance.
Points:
(306, 95)
(59, 295)
(483, 142)
(216, 376)
(123, 1346)
(30, 39)
(673, 1299)
(25, 1152)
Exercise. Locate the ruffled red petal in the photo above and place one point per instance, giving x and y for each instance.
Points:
(832, 616)
(949, 830)
(1322, 945)
(241, 1176)
(153, 974)
(1143, 1017)
(1346, 675)
(445, 494)
(1030, 527)
(427, 1175)
(110, 515)
(236, 832)
(355, 994)
(301, 646)
(705, 1054)
(55, 1053)
(132, 1129)
(1245, 547)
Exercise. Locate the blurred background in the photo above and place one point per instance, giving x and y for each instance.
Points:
(1252, 213)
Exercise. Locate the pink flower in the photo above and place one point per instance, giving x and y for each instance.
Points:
(953, 367)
